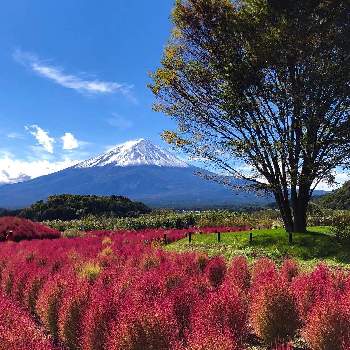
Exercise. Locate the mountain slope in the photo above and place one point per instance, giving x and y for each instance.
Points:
(131, 153)
(155, 186)
(138, 170)
(337, 199)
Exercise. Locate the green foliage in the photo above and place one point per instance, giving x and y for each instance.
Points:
(320, 216)
(72, 233)
(338, 199)
(70, 207)
(341, 227)
(263, 82)
(318, 243)
(170, 219)
(89, 271)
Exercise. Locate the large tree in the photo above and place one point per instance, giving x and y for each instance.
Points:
(264, 83)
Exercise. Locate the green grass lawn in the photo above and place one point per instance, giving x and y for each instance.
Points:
(318, 244)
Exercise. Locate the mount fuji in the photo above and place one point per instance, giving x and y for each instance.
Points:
(136, 169)
(135, 153)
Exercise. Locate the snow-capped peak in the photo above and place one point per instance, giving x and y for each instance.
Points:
(135, 152)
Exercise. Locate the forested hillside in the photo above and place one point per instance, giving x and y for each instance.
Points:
(337, 199)
(69, 207)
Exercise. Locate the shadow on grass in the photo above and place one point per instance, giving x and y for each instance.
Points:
(316, 244)
(305, 246)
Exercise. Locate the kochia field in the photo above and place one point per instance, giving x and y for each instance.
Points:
(121, 290)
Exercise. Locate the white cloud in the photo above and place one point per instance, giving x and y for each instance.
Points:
(70, 81)
(42, 137)
(14, 170)
(69, 141)
(340, 178)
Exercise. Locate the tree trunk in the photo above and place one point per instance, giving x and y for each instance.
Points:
(299, 224)
(294, 220)
(283, 205)
(300, 211)
(300, 205)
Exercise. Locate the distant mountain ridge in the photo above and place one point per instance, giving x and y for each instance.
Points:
(138, 170)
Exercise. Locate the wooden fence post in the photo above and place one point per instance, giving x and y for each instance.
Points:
(165, 239)
(189, 237)
(250, 237)
(219, 236)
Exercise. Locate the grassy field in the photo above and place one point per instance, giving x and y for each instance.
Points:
(318, 244)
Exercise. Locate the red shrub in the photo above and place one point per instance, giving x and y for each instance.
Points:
(328, 325)
(289, 269)
(274, 314)
(216, 270)
(184, 302)
(144, 328)
(20, 282)
(173, 280)
(311, 288)
(120, 304)
(2, 268)
(7, 279)
(238, 273)
(18, 331)
(283, 347)
(98, 317)
(49, 302)
(264, 271)
(225, 308)
(74, 305)
(201, 285)
(207, 339)
(147, 288)
(17, 229)
(34, 285)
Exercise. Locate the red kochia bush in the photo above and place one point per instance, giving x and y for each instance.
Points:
(101, 312)
(184, 301)
(274, 314)
(17, 229)
(289, 269)
(34, 284)
(18, 331)
(264, 270)
(216, 270)
(283, 347)
(207, 339)
(309, 289)
(7, 279)
(224, 309)
(74, 304)
(144, 328)
(238, 273)
(328, 325)
(20, 282)
(49, 302)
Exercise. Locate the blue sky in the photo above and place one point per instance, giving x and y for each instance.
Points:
(73, 78)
